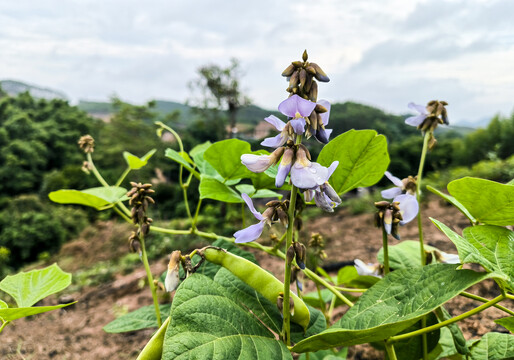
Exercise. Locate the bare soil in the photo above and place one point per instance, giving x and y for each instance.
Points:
(76, 332)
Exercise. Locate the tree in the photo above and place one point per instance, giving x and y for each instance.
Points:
(219, 90)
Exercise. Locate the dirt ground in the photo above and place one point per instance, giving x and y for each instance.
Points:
(76, 332)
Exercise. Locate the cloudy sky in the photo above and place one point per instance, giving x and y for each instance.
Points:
(378, 52)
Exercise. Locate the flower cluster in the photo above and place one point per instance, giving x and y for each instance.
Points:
(429, 117)
(403, 209)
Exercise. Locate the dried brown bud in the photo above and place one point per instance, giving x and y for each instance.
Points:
(305, 56)
(313, 94)
(290, 254)
(87, 144)
(288, 71)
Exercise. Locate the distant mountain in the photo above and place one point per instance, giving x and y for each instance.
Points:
(13, 88)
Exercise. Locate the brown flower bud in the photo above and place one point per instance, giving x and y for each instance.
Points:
(313, 94)
(87, 144)
(172, 277)
(290, 254)
(301, 252)
(288, 71)
(303, 77)
(305, 56)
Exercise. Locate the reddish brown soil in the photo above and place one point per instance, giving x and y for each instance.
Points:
(76, 332)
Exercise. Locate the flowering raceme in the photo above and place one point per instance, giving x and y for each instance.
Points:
(325, 196)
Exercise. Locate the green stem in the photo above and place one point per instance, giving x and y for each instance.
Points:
(385, 246)
(280, 241)
(509, 296)
(331, 309)
(390, 351)
(465, 315)
(424, 342)
(286, 328)
(120, 213)
(95, 170)
(319, 280)
(150, 279)
(339, 288)
(195, 219)
(175, 134)
(418, 195)
(484, 300)
(322, 305)
(4, 323)
(243, 214)
(123, 176)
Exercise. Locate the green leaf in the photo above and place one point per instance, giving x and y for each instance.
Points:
(393, 304)
(225, 157)
(459, 341)
(207, 324)
(346, 274)
(326, 355)
(11, 314)
(454, 202)
(254, 194)
(493, 346)
(99, 197)
(141, 318)
(494, 246)
(206, 169)
(405, 254)
(487, 201)
(27, 288)
(487, 245)
(362, 156)
(445, 350)
(183, 159)
(135, 163)
(506, 322)
(3, 305)
(213, 189)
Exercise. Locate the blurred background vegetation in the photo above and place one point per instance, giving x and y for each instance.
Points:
(39, 154)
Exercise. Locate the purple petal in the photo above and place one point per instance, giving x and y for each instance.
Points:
(419, 108)
(391, 193)
(323, 202)
(388, 221)
(322, 135)
(298, 125)
(283, 171)
(296, 104)
(394, 179)
(328, 132)
(256, 163)
(276, 122)
(325, 115)
(276, 141)
(331, 194)
(332, 168)
(308, 176)
(415, 120)
(250, 233)
(408, 207)
(249, 203)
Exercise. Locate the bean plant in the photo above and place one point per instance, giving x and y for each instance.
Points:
(225, 306)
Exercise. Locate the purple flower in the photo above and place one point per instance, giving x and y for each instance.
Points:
(306, 174)
(252, 232)
(322, 134)
(325, 196)
(284, 167)
(408, 209)
(295, 108)
(260, 163)
(407, 185)
(418, 119)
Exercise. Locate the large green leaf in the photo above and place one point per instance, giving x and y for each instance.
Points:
(27, 288)
(487, 245)
(362, 156)
(326, 355)
(136, 163)
(183, 159)
(493, 346)
(405, 254)
(205, 168)
(254, 193)
(506, 322)
(213, 189)
(11, 314)
(141, 318)
(454, 202)
(487, 201)
(207, 324)
(99, 197)
(393, 304)
(225, 157)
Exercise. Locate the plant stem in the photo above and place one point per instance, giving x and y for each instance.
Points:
(95, 170)
(195, 219)
(390, 351)
(428, 329)
(385, 246)
(339, 288)
(286, 328)
(424, 342)
(150, 279)
(418, 195)
(123, 176)
(484, 300)
(319, 280)
(4, 323)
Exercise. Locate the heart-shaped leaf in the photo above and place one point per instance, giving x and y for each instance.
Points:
(506, 322)
(362, 156)
(136, 163)
(393, 304)
(225, 157)
(213, 189)
(99, 197)
(141, 318)
(493, 346)
(487, 201)
(27, 288)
